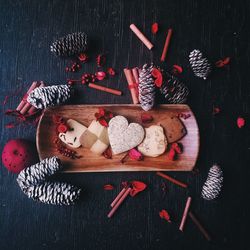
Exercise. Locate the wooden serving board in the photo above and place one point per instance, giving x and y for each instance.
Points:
(89, 162)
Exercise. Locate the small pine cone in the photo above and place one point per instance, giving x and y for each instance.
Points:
(212, 187)
(55, 193)
(44, 97)
(146, 87)
(38, 173)
(70, 45)
(174, 90)
(200, 65)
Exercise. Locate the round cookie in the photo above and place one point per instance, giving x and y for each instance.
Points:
(154, 143)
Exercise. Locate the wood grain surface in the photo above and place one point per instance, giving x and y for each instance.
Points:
(219, 28)
(90, 162)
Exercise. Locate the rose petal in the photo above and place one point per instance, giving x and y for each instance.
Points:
(177, 147)
(101, 111)
(108, 187)
(111, 71)
(154, 28)
(145, 118)
(137, 187)
(108, 153)
(100, 75)
(103, 122)
(221, 63)
(135, 155)
(240, 122)
(177, 69)
(164, 215)
(156, 73)
(171, 154)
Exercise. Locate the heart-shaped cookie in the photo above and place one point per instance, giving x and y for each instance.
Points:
(72, 136)
(124, 136)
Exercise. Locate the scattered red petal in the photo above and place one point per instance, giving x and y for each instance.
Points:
(165, 215)
(154, 28)
(83, 57)
(135, 155)
(221, 63)
(62, 128)
(101, 111)
(171, 154)
(103, 122)
(10, 125)
(100, 60)
(100, 75)
(111, 71)
(240, 122)
(108, 153)
(108, 187)
(177, 147)
(177, 69)
(156, 73)
(137, 186)
(146, 118)
(216, 110)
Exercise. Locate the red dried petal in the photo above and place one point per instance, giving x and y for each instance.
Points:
(146, 118)
(154, 28)
(111, 71)
(100, 60)
(101, 111)
(177, 69)
(164, 215)
(216, 110)
(83, 57)
(221, 63)
(62, 128)
(108, 153)
(137, 187)
(135, 155)
(240, 122)
(156, 73)
(100, 75)
(108, 187)
(177, 147)
(103, 122)
(171, 154)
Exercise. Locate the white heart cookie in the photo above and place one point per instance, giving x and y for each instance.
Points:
(72, 136)
(154, 143)
(124, 136)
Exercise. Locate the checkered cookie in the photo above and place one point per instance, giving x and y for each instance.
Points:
(95, 138)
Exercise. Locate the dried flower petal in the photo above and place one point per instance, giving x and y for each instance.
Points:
(165, 215)
(171, 154)
(154, 28)
(108, 187)
(146, 118)
(135, 155)
(240, 122)
(103, 122)
(101, 111)
(177, 147)
(177, 69)
(156, 73)
(108, 153)
(83, 57)
(221, 63)
(100, 75)
(137, 186)
(111, 71)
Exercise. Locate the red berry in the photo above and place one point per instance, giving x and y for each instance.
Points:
(62, 128)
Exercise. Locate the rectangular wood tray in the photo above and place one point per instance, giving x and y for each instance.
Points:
(89, 162)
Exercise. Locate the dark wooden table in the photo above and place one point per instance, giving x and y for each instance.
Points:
(219, 29)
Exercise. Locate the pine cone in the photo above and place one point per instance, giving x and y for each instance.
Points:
(146, 87)
(212, 187)
(70, 45)
(55, 193)
(38, 173)
(174, 90)
(44, 97)
(200, 65)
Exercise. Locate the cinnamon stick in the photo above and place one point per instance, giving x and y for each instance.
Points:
(200, 227)
(185, 213)
(139, 34)
(23, 101)
(119, 202)
(132, 85)
(167, 177)
(118, 197)
(105, 89)
(166, 45)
